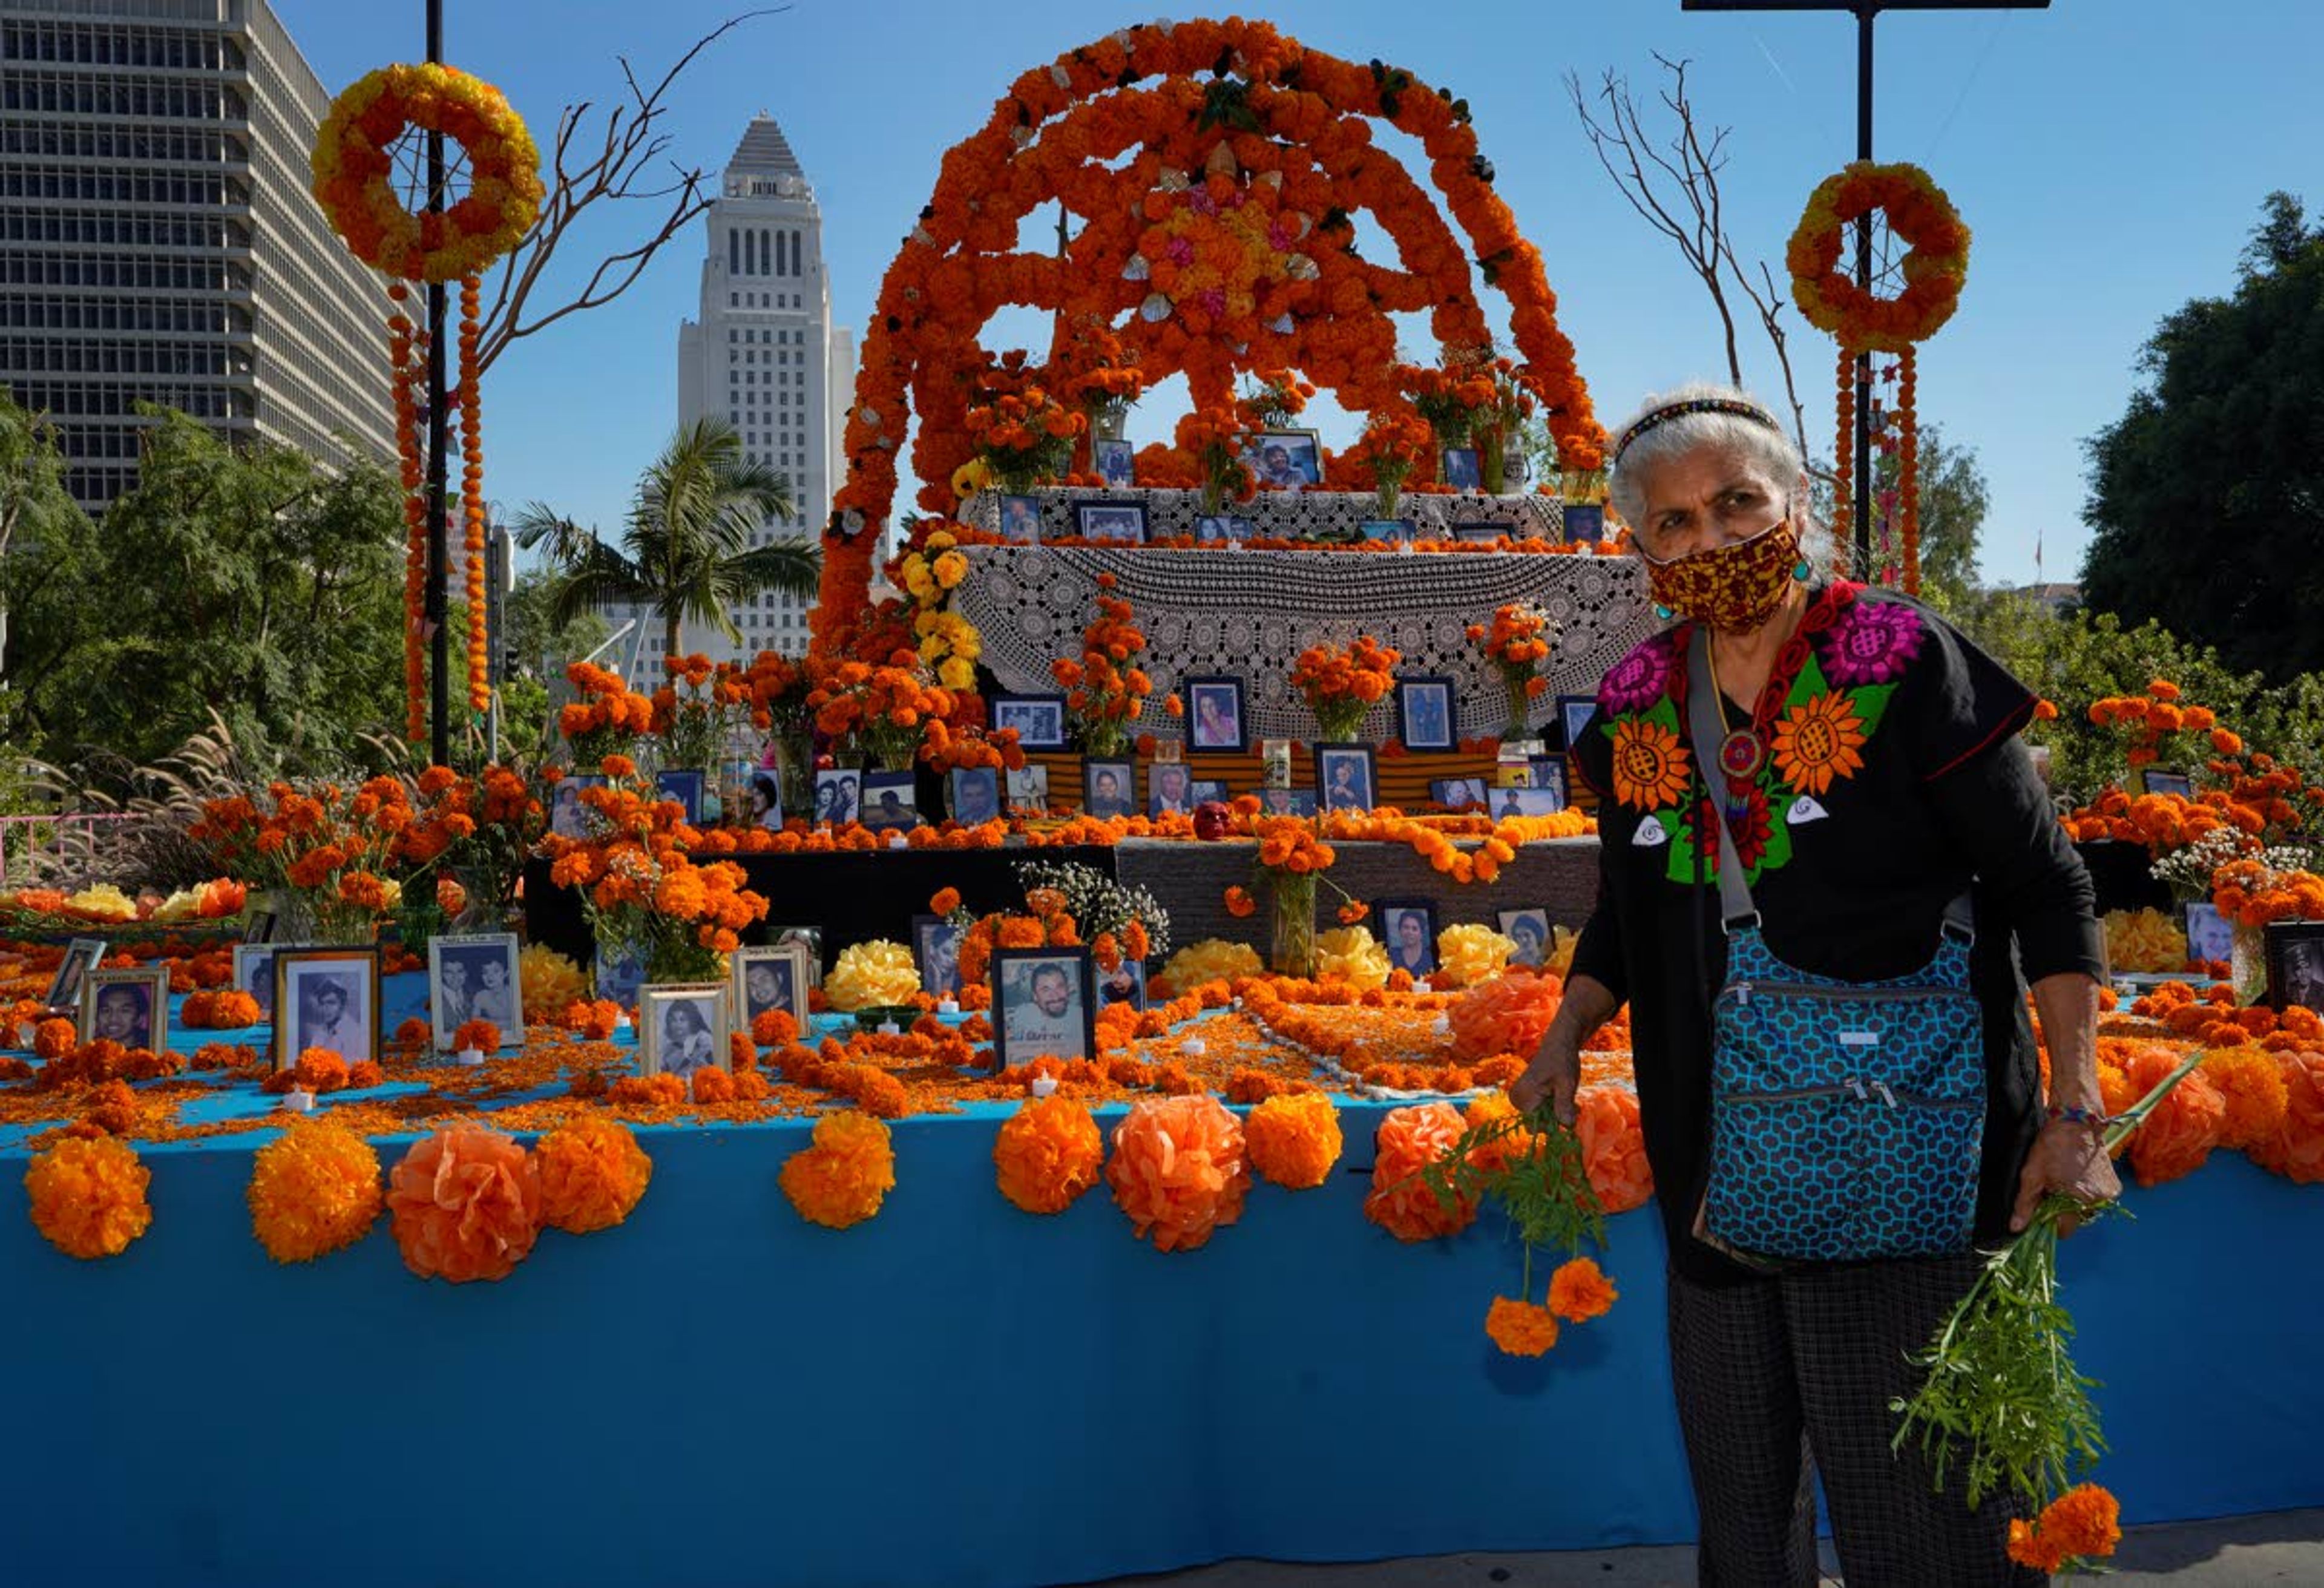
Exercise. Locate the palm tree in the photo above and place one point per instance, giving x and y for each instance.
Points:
(686, 551)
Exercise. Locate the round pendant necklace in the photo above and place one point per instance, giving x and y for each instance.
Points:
(1743, 752)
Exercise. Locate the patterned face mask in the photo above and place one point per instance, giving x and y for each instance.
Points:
(1737, 586)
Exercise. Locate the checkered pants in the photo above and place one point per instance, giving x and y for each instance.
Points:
(1781, 1377)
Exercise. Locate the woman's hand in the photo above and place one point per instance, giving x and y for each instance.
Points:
(2068, 1159)
(1555, 1070)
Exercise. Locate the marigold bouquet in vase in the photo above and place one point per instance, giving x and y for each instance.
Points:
(779, 688)
(883, 711)
(328, 853)
(1102, 379)
(1392, 446)
(1274, 399)
(698, 713)
(1452, 397)
(2254, 890)
(1341, 685)
(1292, 859)
(474, 834)
(1024, 439)
(1105, 690)
(605, 718)
(1517, 643)
(1215, 439)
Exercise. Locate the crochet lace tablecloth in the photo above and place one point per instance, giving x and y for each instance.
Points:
(1292, 516)
(1250, 613)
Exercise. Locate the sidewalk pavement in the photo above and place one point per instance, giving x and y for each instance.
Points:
(2236, 1552)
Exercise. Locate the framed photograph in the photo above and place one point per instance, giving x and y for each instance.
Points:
(1574, 712)
(81, 955)
(1043, 1004)
(1169, 787)
(1210, 789)
(1222, 527)
(1039, 719)
(1214, 714)
(619, 979)
(765, 801)
(1125, 983)
(1483, 534)
(1028, 790)
(1387, 531)
(1529, 931)
(1287, 460)
(2209, 934)
(1020, 521)
(1585, 522)
(1457, 793)
(253, 972)
(1549, 773)
(568, 816)
(258, 926)
(2163, 781)
(1460, 470)
(474, 977)
(326, 998)
(890, 799)
(975, 795)
(1409, 927)
(1112, 522)
(1522, 800)
(130, 1006)
(1344, 775)
(1273, 801)
(936, 949)
(1107, 786)
(1423, 713)
(838, 796)
(1117, 463)
(767, 978)
(683, 1028)
(809, 938)
(2295, 965)
(685, 788)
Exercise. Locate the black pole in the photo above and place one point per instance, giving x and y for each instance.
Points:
(440, 697)
(1863, 564)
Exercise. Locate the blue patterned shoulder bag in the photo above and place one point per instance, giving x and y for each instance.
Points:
(1846, 1118)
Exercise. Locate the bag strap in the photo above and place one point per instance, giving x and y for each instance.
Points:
(1735, 906)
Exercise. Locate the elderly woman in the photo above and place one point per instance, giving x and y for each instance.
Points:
(1822, 1210)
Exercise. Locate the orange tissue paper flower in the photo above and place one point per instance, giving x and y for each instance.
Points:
(2296, 1149)
(1613, 1147)
(1179, 1169)
(2179, 1135)
(1580, 1290)
(1293, 1139)
(846, 1171)
(593, 1173)
(88, 1195)
(1520, 1328)
(1410, 1138)
(313, 1190)
(1507, 1014)
(1046, 1154)
(465, 1203)
(2253, 1088)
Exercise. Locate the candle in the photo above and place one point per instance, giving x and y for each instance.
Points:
(1193, 1047)
(298, 1102)
(947, 1006)
(473, 1058)
(1045, 1085)
(1422, 986)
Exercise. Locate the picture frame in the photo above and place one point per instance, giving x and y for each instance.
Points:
(1274, 800)
(258, 926)
(1574, 714)
(2295, 965)
(935, 950)
(1170, 787)
(1404, 951)
(476, 993)
(253, 972)
(1457, 793)
(1044, 1003)
(1020, 521)
(1115, 462)
(1530, 930)
(1286, 459)
(568, 816)
(1483, 534)
(1549, 773)
(619, 980)
(1459, 468)
(1039, 719)
(81, 956)
(684, 1027)
(326, 997)
(1388, 531)
(1028, 790)
(1215, 719)
(131, 1007)
(685, 788)
(1210, 789)
(1108, 784)
(838, 796)
(1426, 718)
(892, 800)
(1347, 776)
(767, 977)
(973, 795)
(766, 796)
(1585, 523)
(1111, 521)
(2210, 935)
(1125, 983)
(1527, 800)
(1222, 528)
(2160, 780)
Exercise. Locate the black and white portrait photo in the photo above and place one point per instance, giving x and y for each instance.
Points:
(1038, 720)
(1117, 463)
(772, 978)
(1107, 787)
(890, 799)
(1457, 793)
(474, 978)
(1409, 928)
(131, 1007)
(936, 948)
(1028, 790)
(682, 1030)
(2295, 964)
(1119, 523)
(975, 795)
(838, 794)
(1529, 931)
(1020, 521)
(81, 955)
(326, 998)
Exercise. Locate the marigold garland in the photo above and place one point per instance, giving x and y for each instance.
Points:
(313, 1190)
(1293, 1139)
(471, 400)
(593, 1174)
(844, 1173)
(88, 1195)
(1934, 266)
(1178, 1169)
(1046, 1154)
(465, 1203)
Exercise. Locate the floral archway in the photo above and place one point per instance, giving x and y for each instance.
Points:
(1215, 168)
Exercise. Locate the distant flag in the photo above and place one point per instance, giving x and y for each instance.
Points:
(2037, 556)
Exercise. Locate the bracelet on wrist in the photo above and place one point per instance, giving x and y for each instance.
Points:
(2075, 1115)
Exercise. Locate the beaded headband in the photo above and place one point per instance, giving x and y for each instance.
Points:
(1662, 416)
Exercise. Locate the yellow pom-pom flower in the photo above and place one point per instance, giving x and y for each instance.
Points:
(1468, 953)
(1213, 959)
(313, 1190)
(88, 1195)
(1294, 1140)
(592, 1172)
(842, 1177)
(871, 975)
(1354, 956)
(547, 981)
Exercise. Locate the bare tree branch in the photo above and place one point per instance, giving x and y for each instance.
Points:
(632, 144)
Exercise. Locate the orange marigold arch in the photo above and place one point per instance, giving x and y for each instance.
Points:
(1215, 168)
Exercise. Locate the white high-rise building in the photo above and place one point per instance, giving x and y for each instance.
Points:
(765, 358)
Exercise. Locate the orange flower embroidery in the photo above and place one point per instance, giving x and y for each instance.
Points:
(1819, 742)
(1650, 765)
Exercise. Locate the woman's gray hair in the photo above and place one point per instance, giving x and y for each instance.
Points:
(1766, 445)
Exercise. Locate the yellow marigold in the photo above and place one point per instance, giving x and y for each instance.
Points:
(313, 1190)
(1519, 1327)
(1046, 1154)
(88, 1195)
(1213, 959)
(1579, 1291)
(1294, 1140)
(592, 1172)
(2253, 1085)
(841, 1178)
(869, 975)
(1354, 956)
(547, 981)
(1468, 953)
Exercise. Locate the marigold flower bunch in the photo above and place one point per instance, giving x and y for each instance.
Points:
(2250, 893)
(1106, 690)
(1025, 437)
(1273, 399)
(1098, 373)
(1215, 438)
(1179, 1169)
(313, 1190)
(1393, 445)
(1046, 1154)
(845, 1172)
(884, 710)
(697, 709)
(778, 686)
(606, 718)
(335, 846)
(1340, 684)
(2081, 1526)
(1517, 643)
(593, 1173)
(88, 1195)
(1455, 396)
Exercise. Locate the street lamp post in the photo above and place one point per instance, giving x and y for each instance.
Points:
(1864, 11)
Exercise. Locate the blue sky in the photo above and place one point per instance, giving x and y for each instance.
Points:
(2110, 155)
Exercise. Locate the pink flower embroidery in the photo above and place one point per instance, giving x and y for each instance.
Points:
(1871, 642)
(1639, 679)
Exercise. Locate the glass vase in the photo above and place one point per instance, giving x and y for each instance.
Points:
(1342, 722)
(1291, 943)
(2247, 964)
(1385, 495)
(1520, 707)
(795, 767)
(1492, 461)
